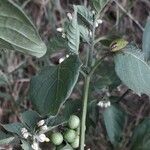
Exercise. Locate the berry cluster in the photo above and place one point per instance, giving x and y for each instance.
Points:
(70, 135)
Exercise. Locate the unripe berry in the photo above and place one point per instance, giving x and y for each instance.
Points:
(70, 135)
(57, 138)
(74, 122)
(75, 144)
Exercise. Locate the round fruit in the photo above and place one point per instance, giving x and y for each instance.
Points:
(75, 144)
(57, 138)
(70, 135)
(74, 122)
(78, 131)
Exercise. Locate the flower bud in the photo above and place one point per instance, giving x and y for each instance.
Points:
(40, 123)
(60, 29)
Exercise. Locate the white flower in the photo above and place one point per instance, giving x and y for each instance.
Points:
(23, 130)
(61, 60)
(42, 138)
(25, 135)
(67, 56)
(99, 21)
(60, 29)
(63, 35)
(44, 128)
(40, 123)
(96, 24)
(93, 12)
(69, 15)
(35, 146)
(101, 104)
(90, 33)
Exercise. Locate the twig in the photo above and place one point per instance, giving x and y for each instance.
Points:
(129, 15)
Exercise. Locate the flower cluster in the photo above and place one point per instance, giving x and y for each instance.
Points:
(38, 137)
(104, 104)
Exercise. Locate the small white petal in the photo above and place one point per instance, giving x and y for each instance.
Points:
(67, 56)
(69, 15)
(60, 29)
(23, 130)
(61, 60)
(47, 139)
(109, 104)
(90, 33)
(44, 128)
(96, 24)
(40, 123)
(35, 146)
(99, 21)
(41, 138)
(93, 12)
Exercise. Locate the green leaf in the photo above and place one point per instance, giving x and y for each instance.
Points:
(53, 85)
(30, 119)
(14, 128)
(133, 70)
(73, 34)
(25, 145)
(3, 78)
(17, 32)
(70, 107)
(114, 119)
(6, 138)
(141, 136)
(146, 43)
(56, 44)
(85, 14)
(100, 4)
(84, 33)
(105, 77)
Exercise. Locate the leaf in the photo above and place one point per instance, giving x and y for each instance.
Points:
(30, 119)
(145, 41)
(14, 128)
(3, 78)
(17, 32)
(105, 77)
(85, 14)
(100, 4)
(141, 136)
(114, 119)
(84, 33)
(53, 85)
(56, 44)
(69, 108)
(25, 145)
(73, 34)
(133, 70)
(6, 138)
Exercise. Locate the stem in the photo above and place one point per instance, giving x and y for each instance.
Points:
(84, 112)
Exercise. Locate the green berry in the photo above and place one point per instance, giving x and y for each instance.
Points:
(70, 135)
(75, 144)
(74, 122)
(57, 138)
